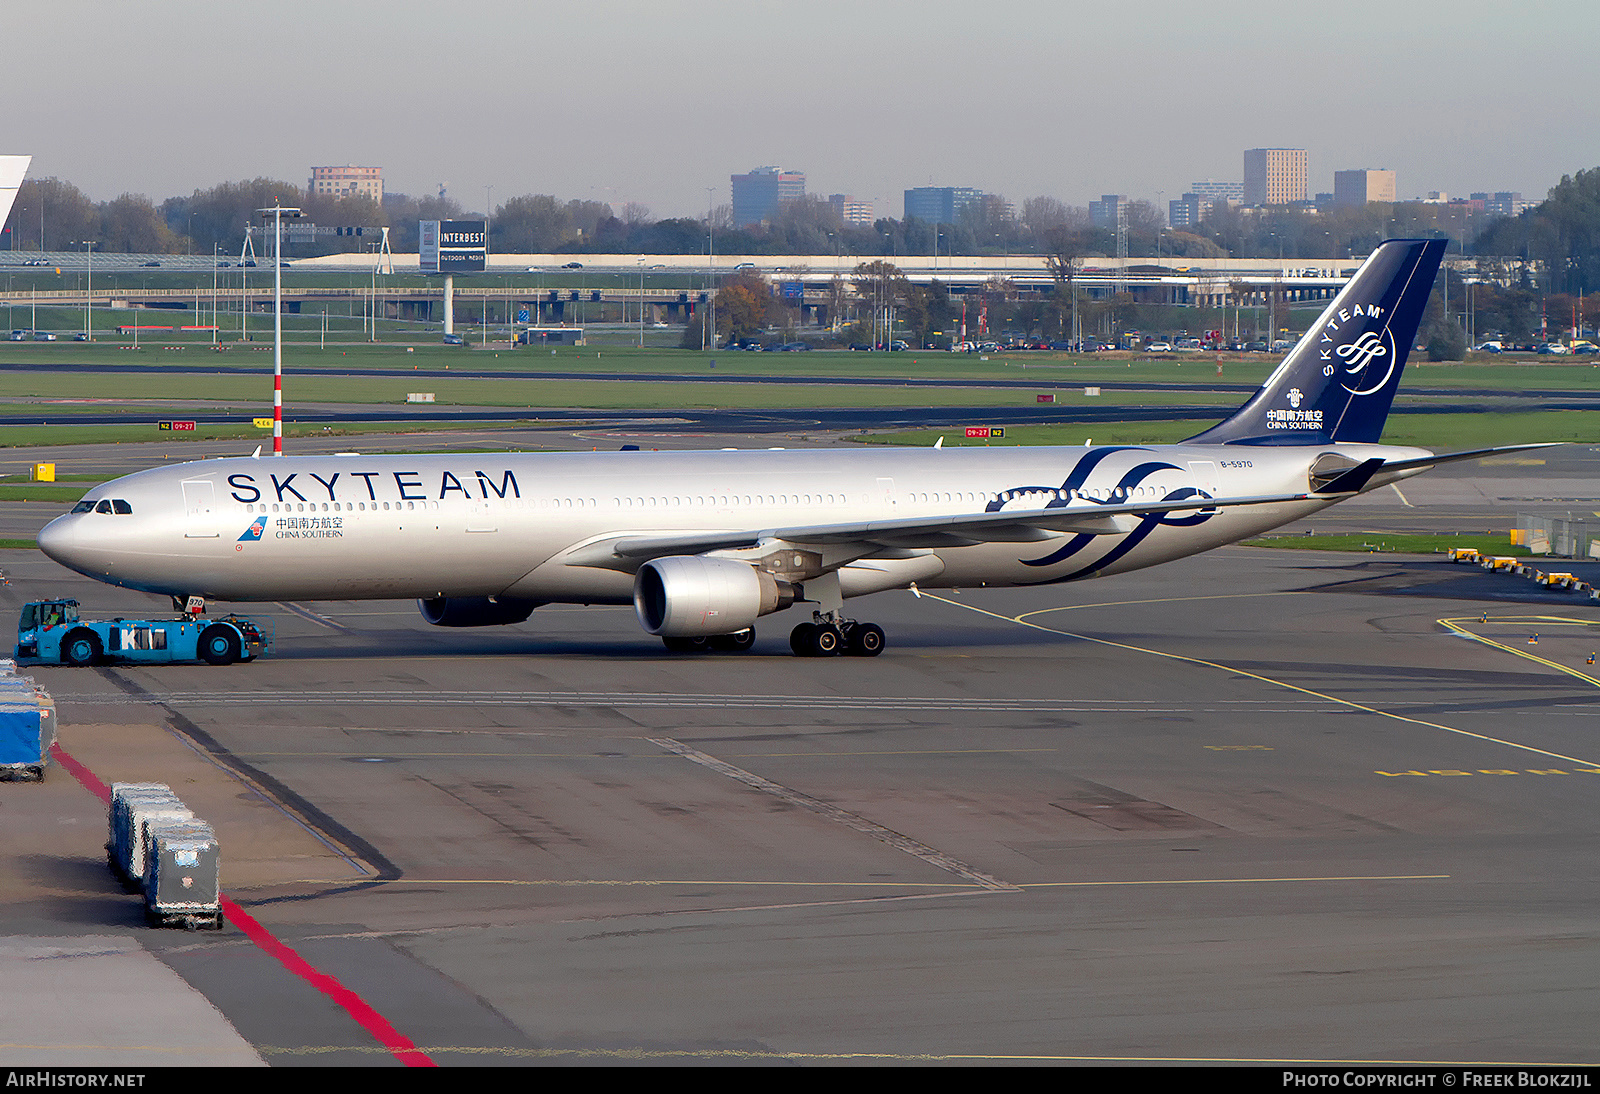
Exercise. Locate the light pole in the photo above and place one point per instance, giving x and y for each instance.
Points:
(277, 213)
(641, 301)
(88, 292)
(708, 328)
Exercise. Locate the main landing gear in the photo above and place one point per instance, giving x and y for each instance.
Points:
(737, 642)
(825, 638)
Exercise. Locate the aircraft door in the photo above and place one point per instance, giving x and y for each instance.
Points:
(886, 493)
(199, 509)
(1204, 473)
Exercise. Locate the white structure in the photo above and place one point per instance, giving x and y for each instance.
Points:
(12, 170)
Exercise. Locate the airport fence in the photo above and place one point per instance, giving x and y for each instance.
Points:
(1562, 537)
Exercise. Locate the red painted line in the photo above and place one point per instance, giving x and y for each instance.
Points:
(400, 1046)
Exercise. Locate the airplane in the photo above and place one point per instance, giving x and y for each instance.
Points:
(703, 543)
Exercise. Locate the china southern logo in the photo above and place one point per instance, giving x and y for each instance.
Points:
(253, 533)
(1294, 397)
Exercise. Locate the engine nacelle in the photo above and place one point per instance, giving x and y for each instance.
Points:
(476, 611)
(692, 596)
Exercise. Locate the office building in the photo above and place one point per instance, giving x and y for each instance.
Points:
(850, 211)
(759, 195)
(1189, 210)
(1505, 203)
(1362, 186)
(1219, 191)
(347, 181)
(1106, 212)
(939, 204)
(1274, 176)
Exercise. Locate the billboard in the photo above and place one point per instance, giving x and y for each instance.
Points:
(452, 246)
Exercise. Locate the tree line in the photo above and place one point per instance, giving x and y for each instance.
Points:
(1562, 233)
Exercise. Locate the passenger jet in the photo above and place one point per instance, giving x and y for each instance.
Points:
(703, 543)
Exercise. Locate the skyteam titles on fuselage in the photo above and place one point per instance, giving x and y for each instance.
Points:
(249, 488)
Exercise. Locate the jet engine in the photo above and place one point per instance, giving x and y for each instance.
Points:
(690, 596)
(476, 611)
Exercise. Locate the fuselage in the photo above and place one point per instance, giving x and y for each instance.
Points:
(525, 525)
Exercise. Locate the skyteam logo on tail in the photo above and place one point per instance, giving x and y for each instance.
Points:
(1361, 353)
(253, 533)
(1361, 356)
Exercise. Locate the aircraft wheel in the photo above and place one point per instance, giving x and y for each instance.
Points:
(80, 648)
(219, 645)
(827, 640)
(696, 644)
(816, 640)
(800, 640)
(737, 642)
(865, 640)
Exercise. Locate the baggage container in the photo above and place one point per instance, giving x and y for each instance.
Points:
(27, 725)
(128, 823)
(182, 875)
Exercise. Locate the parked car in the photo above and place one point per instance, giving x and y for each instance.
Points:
(43, 336)
(80, 336)
(573, 266)
(19, 336)
(143, 264)
(1554, 349)
(1158, 347)
(454, 340)
(794, 347)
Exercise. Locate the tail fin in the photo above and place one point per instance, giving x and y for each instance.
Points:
(12, 170)
(1339, 380)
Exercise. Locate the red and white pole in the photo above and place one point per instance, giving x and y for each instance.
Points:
(277, 332)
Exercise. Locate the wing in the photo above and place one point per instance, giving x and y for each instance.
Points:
(959, 530)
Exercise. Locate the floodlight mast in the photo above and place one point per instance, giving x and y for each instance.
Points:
(277, 213)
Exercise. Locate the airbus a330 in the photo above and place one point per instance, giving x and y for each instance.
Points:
(704, 543)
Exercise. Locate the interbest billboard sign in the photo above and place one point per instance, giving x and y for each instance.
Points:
(452, 246)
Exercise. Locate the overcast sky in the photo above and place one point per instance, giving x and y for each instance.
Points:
(656, 101)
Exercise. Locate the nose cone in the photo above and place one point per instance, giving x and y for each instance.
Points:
(61, 541)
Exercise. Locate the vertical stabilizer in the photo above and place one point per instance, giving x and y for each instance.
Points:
(1339, 380)
(12, 170)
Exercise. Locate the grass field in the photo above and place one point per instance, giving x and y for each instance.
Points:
(237, 381)
(1391, 543)
(1433, 431)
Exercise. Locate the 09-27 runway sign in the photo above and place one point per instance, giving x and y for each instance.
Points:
(452, 246)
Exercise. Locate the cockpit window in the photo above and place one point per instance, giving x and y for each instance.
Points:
(83, 507)
(103, 507)
(120, 506)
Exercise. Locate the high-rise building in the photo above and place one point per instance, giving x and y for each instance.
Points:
(759, 195)
(347, 181)
(1274, 176)
(939, 204)
(1504, 203)
(851, 211)
(1362, 186)
(1189, 210)
(1219, 191)
(1108, 210)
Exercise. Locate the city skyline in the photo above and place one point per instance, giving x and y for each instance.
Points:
(613, 111)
